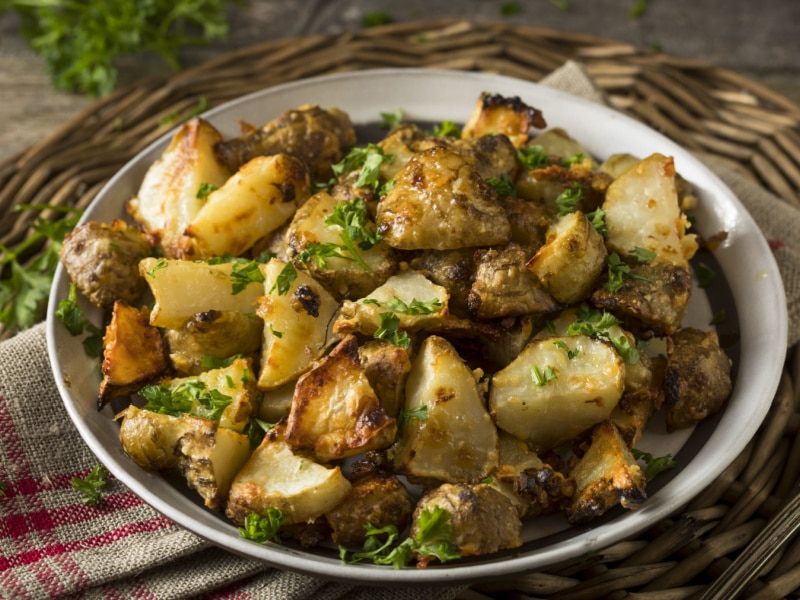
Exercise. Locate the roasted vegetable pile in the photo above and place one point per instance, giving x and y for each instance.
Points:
(406, 347)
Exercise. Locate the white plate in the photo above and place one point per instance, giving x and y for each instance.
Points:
(757, 339)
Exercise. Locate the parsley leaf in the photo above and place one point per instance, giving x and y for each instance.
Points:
(619, 271)
(420, 413)
(563, 346)
(391, 119)
(595, 323)
(389, 329)
(80, 41)
(209, 362)
(263, 529)
(598, 220)
(446, 129)
(533, 157)
(369, 160)
(92, 485)
(204, 190)
(71, 316)
(188, 397)
(567, 201)
(284, 280)
(243, 275)
(654, 465)
(415, 307)
(540, 377)
(502, 185)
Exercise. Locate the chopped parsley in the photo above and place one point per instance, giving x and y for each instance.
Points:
(567, 201)
(209, 362)
(284, 280)
(420, 413)
(389, 329)
(188, 397)
(243, 275)
(415, 307)
(446, 129)
(533, 157)
(596, 323)
(719, 317)
(433, 539)
(598, 220)
(160, 264)
(560, 344)
(263, 529)
(369, 160)
(654, 465)
(204, 190)
(391, 119)
(71, 316)
(541, 377)
(502, 185)
(619, 271)
(92, 485)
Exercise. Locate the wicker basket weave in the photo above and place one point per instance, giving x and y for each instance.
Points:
(699, 106)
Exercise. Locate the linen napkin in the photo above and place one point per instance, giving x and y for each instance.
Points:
(54, 546)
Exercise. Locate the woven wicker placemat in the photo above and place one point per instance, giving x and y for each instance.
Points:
(701, 107)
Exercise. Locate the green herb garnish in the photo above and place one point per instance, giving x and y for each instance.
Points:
(71, 316)
(263, 529)
(567, 201)
(540, 377)
(389, 329)
(92, 485)
(284, 280)
(204, 190)
(654, 465)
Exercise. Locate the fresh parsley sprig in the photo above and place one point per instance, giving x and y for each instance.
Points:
(71, 316)
(188, 397)
(92, 485)
(263, 529)
(596, 323)
(654, 464)
(433, 538)
(28, 274)
(389, 329)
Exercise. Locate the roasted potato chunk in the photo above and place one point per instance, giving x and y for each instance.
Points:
(275, 477)
(212, 336)
(504, 287)
(409, 295)
(452, 438)
(642, 211)
(510, 116)
(260, 197)
(206, 454)
(571, 259)
(606, 475)
(184, 288)
(319, 137)
(483, 520)
(346, 277)
(377, 499)
(335, 412)
(698, 378)
(167, 200)
(133, 353)
(652, 300)
(556, 388)
(296, 322)
(386, 366)
(441, 202)
(102, 260)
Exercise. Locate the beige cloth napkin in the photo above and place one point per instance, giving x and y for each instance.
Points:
(53, 546)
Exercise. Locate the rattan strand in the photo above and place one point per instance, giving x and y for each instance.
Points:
(701, 107)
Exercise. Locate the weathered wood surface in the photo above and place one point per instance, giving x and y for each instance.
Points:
(758, 40)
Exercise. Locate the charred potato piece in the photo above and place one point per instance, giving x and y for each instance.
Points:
(644, 393)
(214, 335)
(133, 353)
(454, 270)
(455, 440)
(377, 499)
(260, 197)
(605, 476)
(167, 200)
(184, 288)
(698, 378)
(297, 319)
(491, 155)
(344, 277)
(504, 287)
(556, 388)
(642, 211)
(509, 116)
(653, 300)
(319, 137)
(102, 260)
(483, 520)
(386, 366)
(571, 259)
(439, 201)
(416, 302)
(335, 412)
(275, 477)
(207, 455)
(402, 143)
(533, 486)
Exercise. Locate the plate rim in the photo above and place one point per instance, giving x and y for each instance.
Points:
(310, 564)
